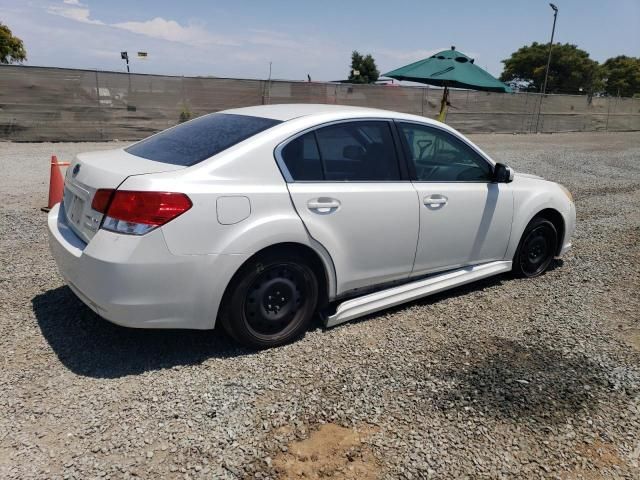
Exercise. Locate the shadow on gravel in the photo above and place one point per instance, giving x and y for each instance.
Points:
(508, 380)
(93, 347)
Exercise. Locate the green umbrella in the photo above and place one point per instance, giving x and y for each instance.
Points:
(449, 68)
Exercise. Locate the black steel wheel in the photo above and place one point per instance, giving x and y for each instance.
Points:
(536, 249)
(270, 301)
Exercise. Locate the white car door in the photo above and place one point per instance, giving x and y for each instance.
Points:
(465, 218)
(346, 184)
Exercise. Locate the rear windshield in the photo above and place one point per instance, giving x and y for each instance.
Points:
(199, 139)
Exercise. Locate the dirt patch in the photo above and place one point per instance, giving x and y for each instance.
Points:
(330, 451)
(632, 338)
(603, 456)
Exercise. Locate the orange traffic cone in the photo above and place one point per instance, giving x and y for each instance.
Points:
(56, 183)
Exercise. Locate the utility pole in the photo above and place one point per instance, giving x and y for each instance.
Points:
(546, 72)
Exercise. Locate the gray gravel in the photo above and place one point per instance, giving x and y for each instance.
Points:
(505, 378)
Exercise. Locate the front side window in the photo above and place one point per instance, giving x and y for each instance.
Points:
(438, 156)
(349, 151)
(195, 141)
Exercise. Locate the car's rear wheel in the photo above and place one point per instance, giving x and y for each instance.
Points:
(270, 301)
(536, 249)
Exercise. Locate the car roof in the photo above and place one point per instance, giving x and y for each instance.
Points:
(290, 111)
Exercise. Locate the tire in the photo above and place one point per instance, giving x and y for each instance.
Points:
(536, 249)
(270, 301)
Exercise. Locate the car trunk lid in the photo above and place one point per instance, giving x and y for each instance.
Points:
(94, 170)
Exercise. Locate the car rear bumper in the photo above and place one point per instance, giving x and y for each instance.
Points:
(135, 281)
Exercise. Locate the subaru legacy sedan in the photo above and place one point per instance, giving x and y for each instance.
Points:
(264, 218)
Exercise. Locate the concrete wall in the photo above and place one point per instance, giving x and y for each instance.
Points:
(54, 104)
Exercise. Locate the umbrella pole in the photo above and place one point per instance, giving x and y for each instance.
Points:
(442, 116)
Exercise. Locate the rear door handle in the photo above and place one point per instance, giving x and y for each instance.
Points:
(323, 205)
(435, 200)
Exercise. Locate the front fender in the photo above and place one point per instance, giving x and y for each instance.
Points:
(529, 200)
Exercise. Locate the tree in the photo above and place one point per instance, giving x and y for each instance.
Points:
(363, 69)
(571, 70)
(11, 47)
(621, 76)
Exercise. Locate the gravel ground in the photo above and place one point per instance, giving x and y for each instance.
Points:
(505, 378)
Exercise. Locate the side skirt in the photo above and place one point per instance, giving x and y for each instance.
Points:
(408, 292)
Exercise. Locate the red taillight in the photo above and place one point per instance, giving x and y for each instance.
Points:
(148, 208)
(101, 199)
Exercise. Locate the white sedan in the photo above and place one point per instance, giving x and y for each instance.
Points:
(263, 218)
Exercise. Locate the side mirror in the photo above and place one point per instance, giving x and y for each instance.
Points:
(502, 173)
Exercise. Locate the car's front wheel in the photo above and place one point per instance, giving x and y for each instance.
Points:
(270, 301)
(537, 248)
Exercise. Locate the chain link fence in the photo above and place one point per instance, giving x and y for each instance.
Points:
(54, 104)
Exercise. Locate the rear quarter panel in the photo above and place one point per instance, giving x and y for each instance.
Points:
(248, 170)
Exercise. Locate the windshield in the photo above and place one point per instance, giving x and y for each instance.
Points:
(196, 140)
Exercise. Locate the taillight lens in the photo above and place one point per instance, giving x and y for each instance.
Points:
(140, 212)
(101, 199)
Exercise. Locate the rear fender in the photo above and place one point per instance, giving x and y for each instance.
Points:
(253, 236)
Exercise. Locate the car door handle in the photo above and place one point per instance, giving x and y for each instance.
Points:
(435, 200)
(323, 205)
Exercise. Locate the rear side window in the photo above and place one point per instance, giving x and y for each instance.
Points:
(302, 158)
(350, 151)
(195, 141)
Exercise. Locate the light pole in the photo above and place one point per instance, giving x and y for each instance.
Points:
(546, 72)
(553, 31)
(125, 56)
(269, 86)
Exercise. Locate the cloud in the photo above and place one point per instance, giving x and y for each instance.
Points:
(157, 27)
(226, 51)
(174, 32)
(408, 55)
(74, 10)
